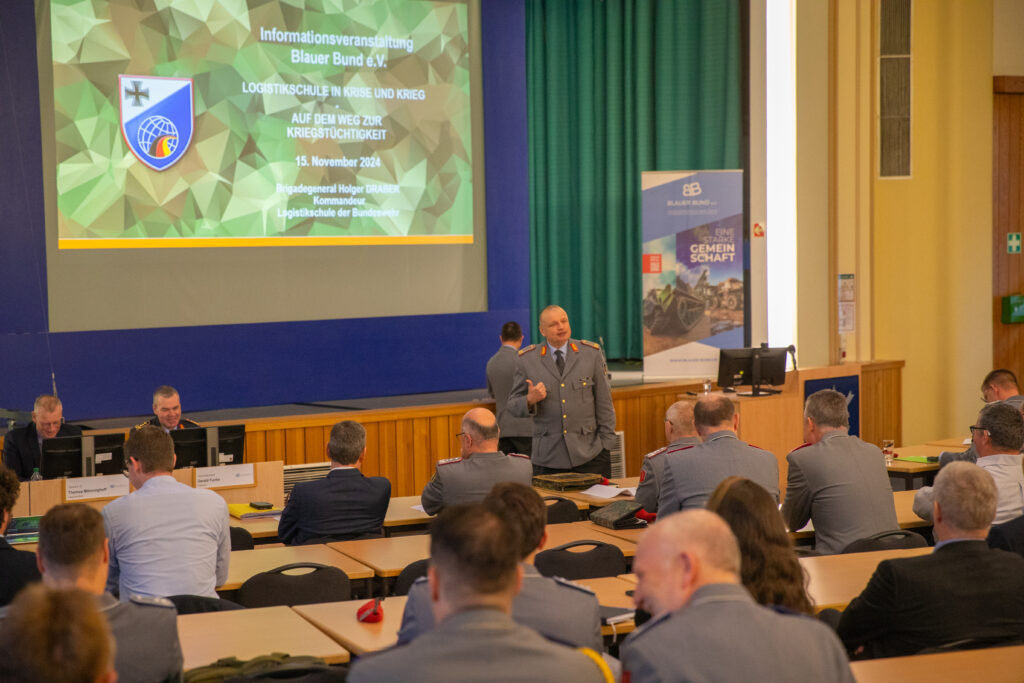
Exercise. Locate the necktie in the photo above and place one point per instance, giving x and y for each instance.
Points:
(559, 361)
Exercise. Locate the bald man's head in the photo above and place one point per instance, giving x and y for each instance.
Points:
(479, 432)
(681, 553)
(679, 421)
(714, 413)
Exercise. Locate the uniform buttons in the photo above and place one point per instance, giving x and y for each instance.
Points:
(564, 416)
(563, 385)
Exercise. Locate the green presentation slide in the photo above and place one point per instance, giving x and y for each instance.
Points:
(196, 123)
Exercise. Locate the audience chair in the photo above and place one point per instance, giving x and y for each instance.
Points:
(241, 539)
(887, 540)
(318, 540)
(562, 511)
(195, 604)
(412, 571)
(1008, 536)
(604, 559)
(275, 587)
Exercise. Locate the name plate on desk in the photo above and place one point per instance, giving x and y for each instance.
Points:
(226, 476)
(103, 487)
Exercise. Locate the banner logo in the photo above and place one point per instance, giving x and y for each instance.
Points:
(157, 117)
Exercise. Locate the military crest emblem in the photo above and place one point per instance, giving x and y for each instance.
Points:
(157, 118)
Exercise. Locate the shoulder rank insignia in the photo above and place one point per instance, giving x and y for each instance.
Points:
(141, 425)
(449, 461)
(529, 348)
(805, 445)
(657, 452)
(151, 601)
(591, 344)
(681, 448)
(572, 584)
(518, 455)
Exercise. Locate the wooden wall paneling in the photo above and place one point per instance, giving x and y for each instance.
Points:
(295, 446)
(881, 400)
(423, 453)
(256, 446)
(1007, 179)
(276, 445)
(405, 459)
(269, 486)
(314, 442)
(389, 454)
(372, 459)
(442, 441)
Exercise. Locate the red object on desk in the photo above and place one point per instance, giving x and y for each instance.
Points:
(371, 612)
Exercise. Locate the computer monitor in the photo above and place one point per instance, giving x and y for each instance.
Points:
(82, 456)
(230, 442)
(23, 530)
(190, 447)
(62, 457)
(754, 367)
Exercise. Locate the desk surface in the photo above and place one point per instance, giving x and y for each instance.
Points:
(559, 534)
(835, 580)
(910, 467)
(579, 497)
(386, 556)
(631, 535)
(259, 527)
(338, 620)
(247, 563)
(953, 443)
(248, 633)
(993, 665)
(401, 513)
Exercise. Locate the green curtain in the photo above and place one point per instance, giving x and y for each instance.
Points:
(616, 87)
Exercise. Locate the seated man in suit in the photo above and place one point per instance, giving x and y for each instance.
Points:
(680, 432)
(23, 445)
(964, 590)
(17, 567)
(56, 635)
(469, 478)
(705, 626)
(473, 577)
(344, 504)
(73, 553)
(167, 411)
(836, 480)
(692, 473)
(996, 438)
(557, 609)
(1008, 536)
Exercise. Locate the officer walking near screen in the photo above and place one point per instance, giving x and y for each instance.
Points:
(563, 383)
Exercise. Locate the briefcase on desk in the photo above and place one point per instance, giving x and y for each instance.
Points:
(566, 481)
(619, 515)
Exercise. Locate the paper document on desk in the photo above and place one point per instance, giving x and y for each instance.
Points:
(602, 491)
(418, 508)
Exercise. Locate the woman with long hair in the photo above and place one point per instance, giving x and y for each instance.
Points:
(769, 567)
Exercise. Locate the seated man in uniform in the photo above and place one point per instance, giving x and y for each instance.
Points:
(691, 473)
(17, 567)
(344, 504)
(473, 576)
(1001, 385)
(680, 432)
(962, 590)
(23, 445)
(166, 538)
(836, 480)
(57, 636)
(73, 553)
(167, 411)
(555, 608)
(469, 478)
(705, 626)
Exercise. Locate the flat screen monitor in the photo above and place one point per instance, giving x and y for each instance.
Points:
(231, 442)
(62, 457)
(190, 447)
(108, 453)
(23, 530)
(755, 367)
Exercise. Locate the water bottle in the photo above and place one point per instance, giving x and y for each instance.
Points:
(35, 475)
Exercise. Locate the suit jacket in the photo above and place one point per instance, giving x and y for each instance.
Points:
(652, 472)
(577, 419)
(500, 369)
(842, 484)
(692, 473)
(477, 645)
(962, 590)
(723, 635)
(470, 479)
(21, 448)
(343, 504)
(17, 569)
(1008, 536)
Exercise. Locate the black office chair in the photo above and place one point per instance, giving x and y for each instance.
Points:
(562, 511)
(318, 540)
(604, 559)
(887, 540)
(241, 539)
(275, 587)
(196, 604)
(412, 571)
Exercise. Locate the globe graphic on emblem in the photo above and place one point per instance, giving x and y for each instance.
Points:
(158, 137)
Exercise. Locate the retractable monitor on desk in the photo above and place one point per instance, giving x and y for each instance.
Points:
(755, 367)
(190, 447)
(202, 446)
(82, 456)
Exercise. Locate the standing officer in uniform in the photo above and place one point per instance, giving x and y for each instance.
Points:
(693, 472)
(516, 432)
(554, 608)
(73, 553)
(469, 478)
(167, 411)
(680, 433)
(564, 385)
